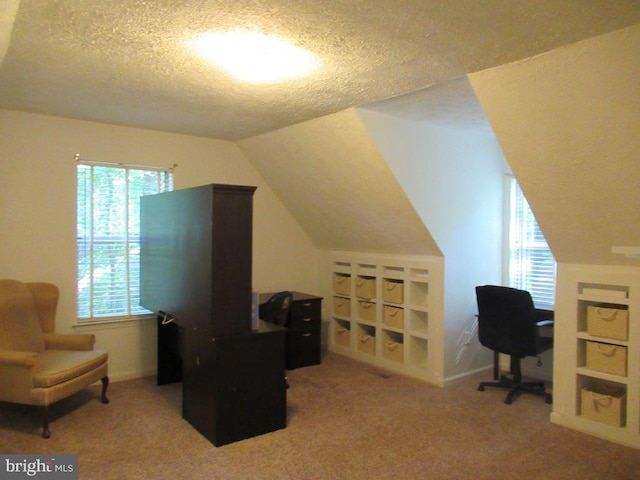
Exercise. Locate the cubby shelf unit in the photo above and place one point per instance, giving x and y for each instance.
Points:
(387, 310)
(597, 374)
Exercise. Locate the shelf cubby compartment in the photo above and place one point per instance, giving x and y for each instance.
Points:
(599, 290)
(366, 339)
(419, 274)
(393, 316)
(342, 333)
(341, 283)
(365, 287)
(344, 267)
(602, 401)
(367, 269)
(342, 306)
(418, 352)
(418, 293)
(393, 272)
(417, 321)
(393, 346)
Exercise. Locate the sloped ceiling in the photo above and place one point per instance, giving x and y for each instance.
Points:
(568, 123)
(337, 185)
(125, 61)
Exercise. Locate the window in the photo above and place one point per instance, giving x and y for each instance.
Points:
(108, 235)
(531, 265)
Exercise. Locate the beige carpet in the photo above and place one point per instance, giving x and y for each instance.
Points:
(346, 421)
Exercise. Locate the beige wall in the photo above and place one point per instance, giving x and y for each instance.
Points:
(332, 177)
(568, 123)
(37, 213)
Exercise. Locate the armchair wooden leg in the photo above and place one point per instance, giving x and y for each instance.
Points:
(105, 384)
(45, 422)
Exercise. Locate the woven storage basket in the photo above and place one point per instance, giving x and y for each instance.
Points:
(393, 291)
(606, 321)
(393, 316)
(607, 358)
(341, 284)
(365, 287)
(604, 404)
(367, 311)
(394, 351)
(367, 344)
(341, 306)
(342, 337)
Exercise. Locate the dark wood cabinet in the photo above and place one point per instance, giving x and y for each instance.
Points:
(305, 326)
(196, 247)
(195, 257)
(236, 389)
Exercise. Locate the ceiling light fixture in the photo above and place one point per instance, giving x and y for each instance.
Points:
(254, 57)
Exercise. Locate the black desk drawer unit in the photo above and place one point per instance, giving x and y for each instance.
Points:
(303, 339)
(305, 325)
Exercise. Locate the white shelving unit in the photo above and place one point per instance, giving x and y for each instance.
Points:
(388, 311)
(597, 376)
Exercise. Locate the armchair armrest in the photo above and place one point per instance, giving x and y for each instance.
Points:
(71, 341)
(12, 358)
(16, 375)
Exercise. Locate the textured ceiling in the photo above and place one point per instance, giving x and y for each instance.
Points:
(125, 61)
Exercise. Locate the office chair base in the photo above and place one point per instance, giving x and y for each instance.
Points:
(515, 388)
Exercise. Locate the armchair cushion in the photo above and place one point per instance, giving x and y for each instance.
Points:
(21, 328)
(57, 366)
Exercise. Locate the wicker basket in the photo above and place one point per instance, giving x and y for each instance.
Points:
(604, 404)
(366, 311)
(393, 316)
(393, 291)
(367, 344)
(342, 337)
(341, 284)
(394, 351)
(607, 358)
(365, 287)
(341, 306)
(608, 321)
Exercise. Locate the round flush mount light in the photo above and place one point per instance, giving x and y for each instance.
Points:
(254, 57)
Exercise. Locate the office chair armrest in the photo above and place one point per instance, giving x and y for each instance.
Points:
(545, 323)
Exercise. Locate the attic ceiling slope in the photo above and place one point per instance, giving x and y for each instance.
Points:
(567, 122)
(125, 61)
(339, 188)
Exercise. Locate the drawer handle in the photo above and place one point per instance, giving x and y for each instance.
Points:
(306, 319)
(306, 304)
(306, 334)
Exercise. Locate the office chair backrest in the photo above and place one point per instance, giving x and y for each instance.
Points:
(277, 308)
(507, 320)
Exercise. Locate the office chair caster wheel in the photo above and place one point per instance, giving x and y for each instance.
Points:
(481, 388)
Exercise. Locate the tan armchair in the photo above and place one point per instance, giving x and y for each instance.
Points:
(38, 366)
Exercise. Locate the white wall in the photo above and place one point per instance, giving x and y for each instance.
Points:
(37, 214)
(454, 178)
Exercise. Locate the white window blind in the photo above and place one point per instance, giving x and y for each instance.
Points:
(531, 263)
(108, 236)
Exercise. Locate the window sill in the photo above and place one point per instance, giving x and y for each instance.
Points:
(111, 323)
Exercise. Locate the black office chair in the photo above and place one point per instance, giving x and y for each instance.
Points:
(508, 323)
(276, 309)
